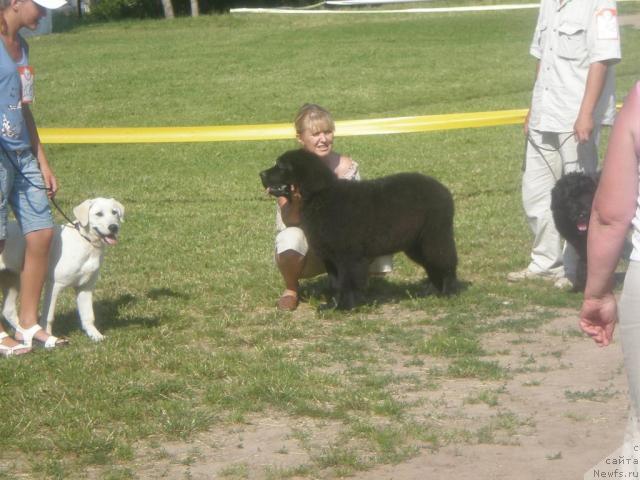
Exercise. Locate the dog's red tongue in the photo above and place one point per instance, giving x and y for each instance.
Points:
(582, 226)
(111, 240)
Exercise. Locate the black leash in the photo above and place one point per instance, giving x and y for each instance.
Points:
(540, 149)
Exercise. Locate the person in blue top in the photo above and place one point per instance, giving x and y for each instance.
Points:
(26, 179)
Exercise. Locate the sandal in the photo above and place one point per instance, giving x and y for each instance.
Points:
(17, 349)
(28, 337)
(287, 303)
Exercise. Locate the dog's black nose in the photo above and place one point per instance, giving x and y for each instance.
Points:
(113, 228)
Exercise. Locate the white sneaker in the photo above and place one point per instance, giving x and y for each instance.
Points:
(527, 274)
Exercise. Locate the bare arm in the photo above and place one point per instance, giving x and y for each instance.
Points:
(595, 82)
(613, 209)
(291, 210)
(36, 146)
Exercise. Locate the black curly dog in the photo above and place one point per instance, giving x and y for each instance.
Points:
(571, 200)
(350, 223)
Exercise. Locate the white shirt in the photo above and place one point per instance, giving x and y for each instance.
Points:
(569, 37)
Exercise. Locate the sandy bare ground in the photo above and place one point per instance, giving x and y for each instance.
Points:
(565, 437)
(568, 397)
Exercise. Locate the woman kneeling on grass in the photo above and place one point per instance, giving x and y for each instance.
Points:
(314, 131)
(24, 170)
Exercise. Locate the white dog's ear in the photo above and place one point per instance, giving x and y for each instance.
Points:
(81, 212)
(119, 207)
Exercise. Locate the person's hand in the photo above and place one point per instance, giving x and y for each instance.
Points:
(598, 318)
(583, 128)
(296, 197)
(50, 180)
(291, 208)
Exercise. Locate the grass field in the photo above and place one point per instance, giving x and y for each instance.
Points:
(187, 297)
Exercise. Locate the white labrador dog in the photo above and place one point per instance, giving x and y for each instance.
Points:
(77, 251)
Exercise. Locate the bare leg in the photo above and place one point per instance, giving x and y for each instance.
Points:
(32, 278)
(291, 264)
(6, 340)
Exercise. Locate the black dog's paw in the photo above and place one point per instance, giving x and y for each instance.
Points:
(450, 287)
(342, 302)
(330, 305)
(446, 288)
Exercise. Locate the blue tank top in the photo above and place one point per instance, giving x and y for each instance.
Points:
(14, 134)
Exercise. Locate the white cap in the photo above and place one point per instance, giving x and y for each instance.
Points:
(51, 4)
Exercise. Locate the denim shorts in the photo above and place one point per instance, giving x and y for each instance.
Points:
(26, 196)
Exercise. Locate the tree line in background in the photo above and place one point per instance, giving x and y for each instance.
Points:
(116, 9)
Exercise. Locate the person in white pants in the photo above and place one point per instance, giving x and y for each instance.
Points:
(576, 44)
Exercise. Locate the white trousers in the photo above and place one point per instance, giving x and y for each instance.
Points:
(549, 155)
(293, 238)
(629, 317)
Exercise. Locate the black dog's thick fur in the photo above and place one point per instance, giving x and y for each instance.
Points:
(571, 200)
(350, 223)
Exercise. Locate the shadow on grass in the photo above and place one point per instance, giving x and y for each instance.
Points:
(107, 313)
(107, 316)
(380, 290)
(158, 293)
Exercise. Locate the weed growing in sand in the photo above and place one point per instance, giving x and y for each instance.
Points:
(501, 428)
(488, 397)
(599, 395)
(237, 471)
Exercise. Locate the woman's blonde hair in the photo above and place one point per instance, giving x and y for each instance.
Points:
(4, 4)
(315, 118)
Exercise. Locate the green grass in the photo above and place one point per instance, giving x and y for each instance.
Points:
(598, 395)
(186, 299)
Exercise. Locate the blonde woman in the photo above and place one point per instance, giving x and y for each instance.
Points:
(315, 133)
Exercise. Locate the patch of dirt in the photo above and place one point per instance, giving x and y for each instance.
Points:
(572, 395)
(566, 400)
(241, 451)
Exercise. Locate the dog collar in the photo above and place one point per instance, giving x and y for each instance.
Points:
(76, 225)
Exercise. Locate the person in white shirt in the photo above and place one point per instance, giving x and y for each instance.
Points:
(576, 42)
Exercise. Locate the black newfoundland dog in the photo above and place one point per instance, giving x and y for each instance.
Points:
(571, 200)
(350, 223)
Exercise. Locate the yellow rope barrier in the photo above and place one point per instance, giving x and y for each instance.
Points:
(278, 131)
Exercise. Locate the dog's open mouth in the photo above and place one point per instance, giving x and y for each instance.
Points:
(582, 227)
(109, 239)
(279, 190)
